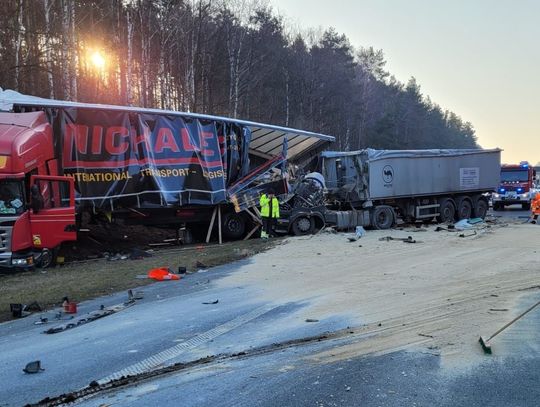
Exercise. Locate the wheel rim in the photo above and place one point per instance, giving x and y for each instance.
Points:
(46, 258)
(465, 211)
(304, 224)
(382, 218)
(482, 209)
(447, 212)
(233, 225)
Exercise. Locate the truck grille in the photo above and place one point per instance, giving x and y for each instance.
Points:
(5, 245)
(5, 236)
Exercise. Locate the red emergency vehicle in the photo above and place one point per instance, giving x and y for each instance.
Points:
(517, 186)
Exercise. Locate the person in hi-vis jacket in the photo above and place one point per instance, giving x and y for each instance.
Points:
(269, 213)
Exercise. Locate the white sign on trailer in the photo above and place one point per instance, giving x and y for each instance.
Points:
(469, 177)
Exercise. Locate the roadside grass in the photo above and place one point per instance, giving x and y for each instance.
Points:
(90, 279)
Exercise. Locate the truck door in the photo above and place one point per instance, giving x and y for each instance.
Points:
(52, 213)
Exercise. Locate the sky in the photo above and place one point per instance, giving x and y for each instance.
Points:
(477, 58)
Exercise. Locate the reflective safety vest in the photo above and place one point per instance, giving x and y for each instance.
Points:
(265, 207)
(535, 204)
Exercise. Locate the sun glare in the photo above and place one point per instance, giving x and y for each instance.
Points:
(97, 60)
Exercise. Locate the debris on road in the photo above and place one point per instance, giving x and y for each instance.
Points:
(133, 296)
(17, 310)
(312, 320)
(449, 228)
(465, 224)
(68, 306)
(407, 239)
(211, 302)
(33, 367)
(41, 321)
(94, 315)
(360, 232)
(23, 310)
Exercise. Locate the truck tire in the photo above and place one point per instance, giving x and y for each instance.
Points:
(481, 208)
(526, 206)
(47, 258)
(447, 210)
(382, 217)
(303, 226)
(234, 225)
(464, 208)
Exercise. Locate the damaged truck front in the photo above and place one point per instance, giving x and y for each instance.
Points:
(375, 188)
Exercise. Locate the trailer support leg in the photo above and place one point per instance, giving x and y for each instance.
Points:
(219, 224)
(257, 226)
(211, 225)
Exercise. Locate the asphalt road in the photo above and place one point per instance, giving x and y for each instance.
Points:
(512, 212)
(171, 324)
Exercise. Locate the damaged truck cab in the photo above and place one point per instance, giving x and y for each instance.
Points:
(37, 206)
(375, 188)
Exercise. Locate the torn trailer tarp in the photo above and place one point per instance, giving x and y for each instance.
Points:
(134, 157)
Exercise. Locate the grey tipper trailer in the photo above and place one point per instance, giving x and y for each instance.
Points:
(411, 184)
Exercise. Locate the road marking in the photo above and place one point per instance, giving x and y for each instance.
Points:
(158, 359)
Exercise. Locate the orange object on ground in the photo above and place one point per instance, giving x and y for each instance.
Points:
(162, 274)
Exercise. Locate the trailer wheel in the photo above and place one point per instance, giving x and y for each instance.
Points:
(464, 208)
(447, 210)
(234, 226)
(481, 208)
(382, 217)
(303, 226)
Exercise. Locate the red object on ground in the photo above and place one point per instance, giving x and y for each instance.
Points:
(162, 274)
(70, 308)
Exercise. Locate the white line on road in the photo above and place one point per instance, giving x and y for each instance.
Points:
(158, 359)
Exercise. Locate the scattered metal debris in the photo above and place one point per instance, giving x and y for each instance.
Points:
(407, 239)
(23, 310)
(33, 367)
(94, 315)
(211, 302)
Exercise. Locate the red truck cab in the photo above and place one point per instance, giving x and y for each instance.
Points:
(32, 225)
(517, 186)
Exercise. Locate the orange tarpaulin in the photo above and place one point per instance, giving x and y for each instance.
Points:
(162, 274)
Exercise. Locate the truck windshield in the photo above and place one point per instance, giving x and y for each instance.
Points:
(11, 198)
(515, 176)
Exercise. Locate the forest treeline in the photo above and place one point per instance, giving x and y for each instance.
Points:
(235, 58)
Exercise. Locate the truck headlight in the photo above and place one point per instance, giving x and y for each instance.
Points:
(23, 261)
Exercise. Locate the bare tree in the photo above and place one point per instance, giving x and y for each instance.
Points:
(18, 43)
(47, 5)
